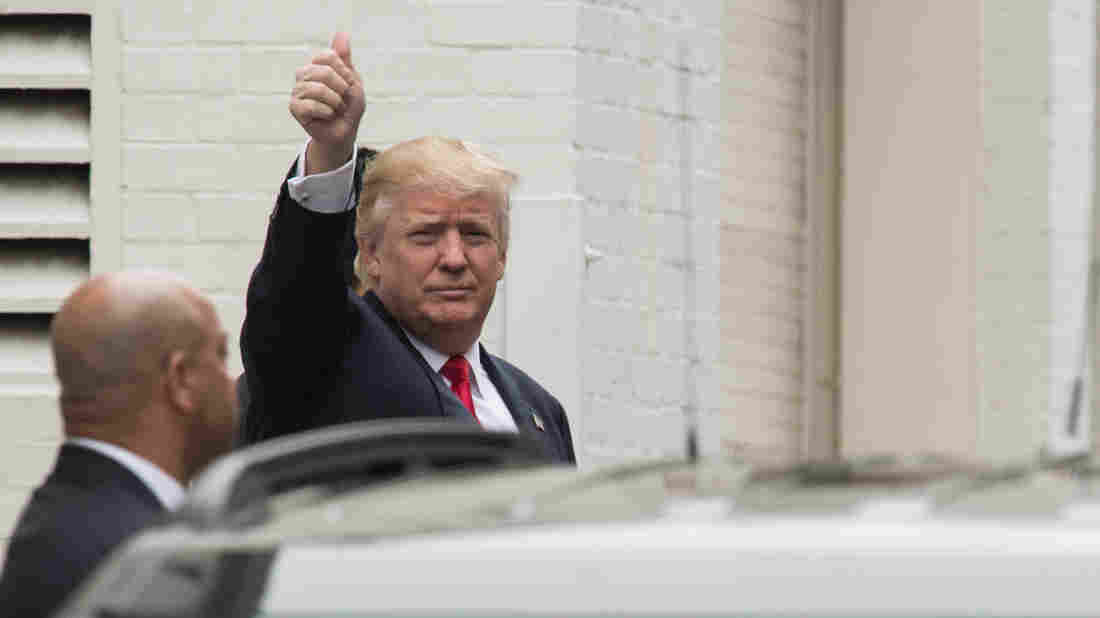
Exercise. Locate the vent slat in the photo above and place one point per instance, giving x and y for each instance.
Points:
(44, 201)
(26, 363)
(46, 51)
(37, 275)
(44, 126)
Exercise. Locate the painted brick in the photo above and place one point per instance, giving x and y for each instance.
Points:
(162, 70)
(612, 327)
(772, 62)
(390, 24)
(757, 426)
(615, 230)
(416, 72)
(659, 88)
(507, 121)
(218, 70)
(225, 217)
(257, 21)
(524, 73)
(504, 24)
(609, 280)
(791, 12)
(750, 82)
(747, 29)
(707, 198)
(608, 129)
(612, 81)
(774, 200)
(769, 329)
(269, 70)
(737, 272)
(151, 118)
(211, 267)
(708, 338)
(750, 381)
(709, 148)
(547, 168)
(158, 216)
(633, 433)
(206, 167)
(669, 286)
(610, 31)
(484, 121)
(248, 119)
(670, 240)
(158, 70)
(608, 180)
(157, 22)
(705, 100)
(608, 375)
(670, 339)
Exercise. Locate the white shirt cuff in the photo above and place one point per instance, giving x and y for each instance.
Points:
(328, 192)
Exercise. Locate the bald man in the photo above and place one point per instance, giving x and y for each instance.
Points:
(146, 402)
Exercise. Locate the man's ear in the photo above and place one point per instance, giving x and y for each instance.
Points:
(501, 264)
(178, 381)
(368, 258)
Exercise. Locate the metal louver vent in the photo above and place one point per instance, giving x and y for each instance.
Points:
(46, 51)
(45, 126)
(45, 166)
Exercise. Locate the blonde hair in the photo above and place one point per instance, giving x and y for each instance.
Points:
(444, 166)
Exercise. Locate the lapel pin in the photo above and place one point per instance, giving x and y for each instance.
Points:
(538, 422)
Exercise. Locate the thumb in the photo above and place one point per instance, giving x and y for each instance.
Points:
(342, 46)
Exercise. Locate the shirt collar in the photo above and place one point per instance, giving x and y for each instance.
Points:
(436, 359)
(166, 488)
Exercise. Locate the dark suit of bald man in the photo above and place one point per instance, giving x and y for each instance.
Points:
(86, 507)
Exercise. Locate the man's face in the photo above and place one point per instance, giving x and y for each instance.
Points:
(437, 265)
(217, 411)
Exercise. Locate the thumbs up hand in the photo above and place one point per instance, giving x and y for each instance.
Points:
(328, 101)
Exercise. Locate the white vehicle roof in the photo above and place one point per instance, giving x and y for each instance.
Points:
(721, 566)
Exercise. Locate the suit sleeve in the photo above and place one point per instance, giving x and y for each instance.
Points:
(298, 314)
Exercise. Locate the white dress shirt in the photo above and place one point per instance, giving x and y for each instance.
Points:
(328, 192)
(165, 487)
(331, 192)
(489, 406)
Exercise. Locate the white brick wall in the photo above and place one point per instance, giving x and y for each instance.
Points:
(1072, 108)
(650, 311)
(763, 225)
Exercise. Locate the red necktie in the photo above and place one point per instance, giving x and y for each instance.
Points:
(457, 371)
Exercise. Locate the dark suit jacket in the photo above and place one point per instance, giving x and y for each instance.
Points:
(317, 354)
(87, 506)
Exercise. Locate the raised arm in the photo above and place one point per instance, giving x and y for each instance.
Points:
(297, 304)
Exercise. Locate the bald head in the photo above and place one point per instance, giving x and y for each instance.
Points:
(113, 334)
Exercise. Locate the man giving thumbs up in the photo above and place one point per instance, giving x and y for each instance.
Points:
(429, 222)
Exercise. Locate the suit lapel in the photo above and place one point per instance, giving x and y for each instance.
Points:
(527, 419)
(449, 404)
